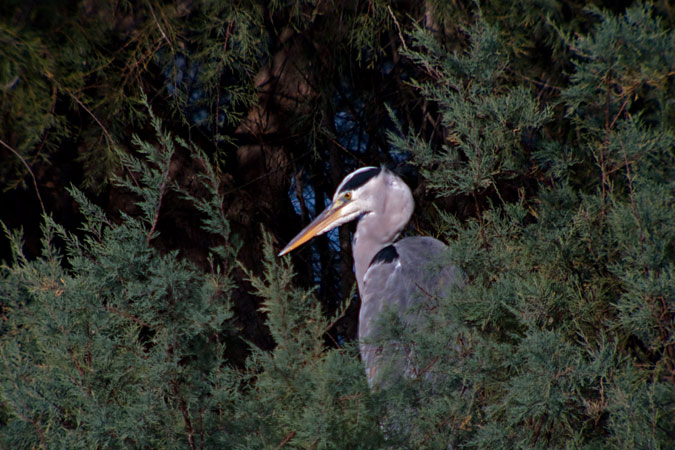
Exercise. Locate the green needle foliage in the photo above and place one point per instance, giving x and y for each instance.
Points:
(124, 348)
(563, 335)
(565, 328)
(112, 344)
(304, 393)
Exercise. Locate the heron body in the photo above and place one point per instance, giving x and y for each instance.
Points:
(399, 276)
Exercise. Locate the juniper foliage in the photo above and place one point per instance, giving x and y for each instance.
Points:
(564, 330)
(561, 337)
(110, 343)
(86, 60)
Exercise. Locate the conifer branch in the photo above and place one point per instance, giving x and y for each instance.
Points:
(398, 27)
(631, 195)
(109, 138)
(537, 431)
(436, 429)
(286, 440)
(154, 17)
(38, 430)
(605, 144)
(162, 189)
(127, 315)
(35, 423)
(32, 175)
(186, 415)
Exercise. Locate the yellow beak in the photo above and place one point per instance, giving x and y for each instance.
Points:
(320, 224)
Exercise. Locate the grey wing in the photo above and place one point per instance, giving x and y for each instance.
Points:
(410, 273)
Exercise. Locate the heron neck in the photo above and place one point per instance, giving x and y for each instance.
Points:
(371, 236)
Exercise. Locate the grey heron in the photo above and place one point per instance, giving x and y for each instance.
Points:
(390, 274)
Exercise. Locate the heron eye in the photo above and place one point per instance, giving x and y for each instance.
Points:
(348, 196)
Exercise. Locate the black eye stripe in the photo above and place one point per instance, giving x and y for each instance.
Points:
(360, 179)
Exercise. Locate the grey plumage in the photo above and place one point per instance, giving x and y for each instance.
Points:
(399, 276)
(406, 284)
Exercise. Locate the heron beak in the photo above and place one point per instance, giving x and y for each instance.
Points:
(319, 225)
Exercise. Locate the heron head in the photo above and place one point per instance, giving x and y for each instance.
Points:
(355, 196)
